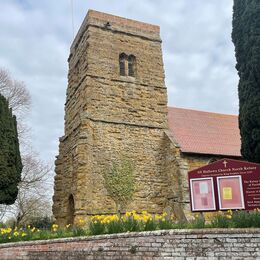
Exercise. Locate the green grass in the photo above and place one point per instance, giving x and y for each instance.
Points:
(131, 222)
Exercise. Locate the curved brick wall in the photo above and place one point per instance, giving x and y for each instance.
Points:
(173, 244)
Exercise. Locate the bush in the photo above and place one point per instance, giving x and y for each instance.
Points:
(42, 222)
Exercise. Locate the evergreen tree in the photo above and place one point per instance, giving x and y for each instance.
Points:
(246, 38)
(10, 159)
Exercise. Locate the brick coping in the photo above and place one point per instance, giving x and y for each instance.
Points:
(179, 233)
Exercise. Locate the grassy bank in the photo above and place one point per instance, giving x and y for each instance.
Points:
(132, 222)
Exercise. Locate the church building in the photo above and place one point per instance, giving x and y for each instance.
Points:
(116, 107)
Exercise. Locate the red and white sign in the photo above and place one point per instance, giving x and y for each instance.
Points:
(203, 191)
(225, 184)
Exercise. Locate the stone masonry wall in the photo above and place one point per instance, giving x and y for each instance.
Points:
(175, 244)
(109, 117)
(176, 170)
(144, 147)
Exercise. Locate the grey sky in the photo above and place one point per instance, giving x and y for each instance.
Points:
(197, 50)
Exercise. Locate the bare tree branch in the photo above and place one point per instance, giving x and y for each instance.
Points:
(33, 198)
(15, 92)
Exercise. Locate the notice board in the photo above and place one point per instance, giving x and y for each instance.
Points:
(225, 184)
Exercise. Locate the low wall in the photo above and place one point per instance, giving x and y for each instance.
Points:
(171, 244)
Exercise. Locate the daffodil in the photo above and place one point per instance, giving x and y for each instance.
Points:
(55, 227)
(196, 216)
(16, 234)
(230, 212)
(158, 217)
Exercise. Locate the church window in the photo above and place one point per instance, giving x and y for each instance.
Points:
(122, 64)
(131, 66)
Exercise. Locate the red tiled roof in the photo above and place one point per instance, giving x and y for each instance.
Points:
(204, 132)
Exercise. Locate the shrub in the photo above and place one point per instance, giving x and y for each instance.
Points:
(120, 183)
(42, 222)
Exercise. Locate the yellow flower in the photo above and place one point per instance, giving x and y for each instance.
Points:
(81, 222)
(128, 214)
(158, 217)
(33, 229)
(55, 226)
(228, 216)
(137, 217)
(196, 216)
(24, 234)
(6, 231)
(230, 212)
(124, 218)
(16, 234)
(67, 226)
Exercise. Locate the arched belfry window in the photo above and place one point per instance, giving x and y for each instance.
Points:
(131, 65)
(122, 64)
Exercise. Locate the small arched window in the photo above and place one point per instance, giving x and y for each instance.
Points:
(131, 66)
(122, 64)
(71, 210)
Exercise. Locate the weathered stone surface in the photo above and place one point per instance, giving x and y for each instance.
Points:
(108, 116)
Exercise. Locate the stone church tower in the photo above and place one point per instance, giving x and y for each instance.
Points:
(116, 106)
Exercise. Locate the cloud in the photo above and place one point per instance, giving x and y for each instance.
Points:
(197, 49)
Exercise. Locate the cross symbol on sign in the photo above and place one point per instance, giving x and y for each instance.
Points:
(225, 164)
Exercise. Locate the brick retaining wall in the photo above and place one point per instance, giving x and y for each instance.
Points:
(171, 244)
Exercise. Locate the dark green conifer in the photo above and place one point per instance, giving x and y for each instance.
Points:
(246, 38)
(10, 159)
